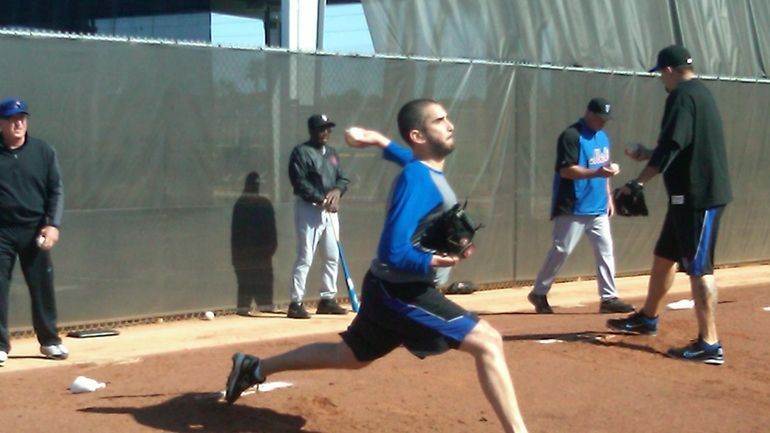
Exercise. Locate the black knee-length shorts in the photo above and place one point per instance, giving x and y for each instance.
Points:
(415, 315)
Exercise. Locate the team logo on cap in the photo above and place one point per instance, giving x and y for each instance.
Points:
(606, 108)
(324, 118)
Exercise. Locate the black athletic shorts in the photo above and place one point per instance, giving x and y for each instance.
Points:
(415, 315)
(689, 237)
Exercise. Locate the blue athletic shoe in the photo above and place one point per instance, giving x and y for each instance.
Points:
(699, 351)
(637, 324)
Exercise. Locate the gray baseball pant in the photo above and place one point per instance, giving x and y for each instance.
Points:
(567, 230)
(313, 227)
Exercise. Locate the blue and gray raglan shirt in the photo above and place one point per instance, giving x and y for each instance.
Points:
(418, 195)
(579, 145)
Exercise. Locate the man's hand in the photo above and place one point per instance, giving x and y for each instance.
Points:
(50, 235)
(360, 138)
(439, 261)
(633, 186)
(332, 200)
(608, 170)
(638, 152)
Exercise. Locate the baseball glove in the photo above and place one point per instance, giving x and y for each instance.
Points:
(461, 288)
(451, 233)
(632, 204)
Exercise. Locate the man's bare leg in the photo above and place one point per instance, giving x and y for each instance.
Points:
(661, 280)
(485, 344)
(314, 356)
(704, 293)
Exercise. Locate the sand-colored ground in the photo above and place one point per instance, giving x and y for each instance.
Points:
(571, 374)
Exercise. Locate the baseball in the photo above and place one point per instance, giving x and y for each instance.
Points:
(208, 315)
(614, 167)
(40, 241)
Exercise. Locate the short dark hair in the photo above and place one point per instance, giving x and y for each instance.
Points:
(690, 68)
(412, 116)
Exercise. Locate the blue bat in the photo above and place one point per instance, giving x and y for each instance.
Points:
(346, 272)
(348, 279)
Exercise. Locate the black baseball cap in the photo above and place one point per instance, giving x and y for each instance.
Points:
(673, 56)
(601, 107)
(12, 106)
(318, 121)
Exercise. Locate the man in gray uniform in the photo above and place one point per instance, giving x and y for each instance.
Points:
(582, 204)
(318, 182)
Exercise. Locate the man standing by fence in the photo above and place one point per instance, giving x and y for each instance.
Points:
(318, 181)
(31, 207)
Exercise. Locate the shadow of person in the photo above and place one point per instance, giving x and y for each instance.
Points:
(253, 242)
(203, 413)
(604, 338)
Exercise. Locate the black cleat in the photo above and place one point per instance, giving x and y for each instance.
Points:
(297, 311)
(242, 376)
(329, 306)
(540, 302)
(615, 305)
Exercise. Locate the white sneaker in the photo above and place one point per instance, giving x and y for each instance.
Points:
(55, 351)
(3, 357)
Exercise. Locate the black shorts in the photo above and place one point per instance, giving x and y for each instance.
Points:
(415, 315)
(689, 237)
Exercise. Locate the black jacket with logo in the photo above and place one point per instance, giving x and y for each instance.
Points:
(314, 170)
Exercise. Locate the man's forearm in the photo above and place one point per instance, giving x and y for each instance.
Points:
(647, 174)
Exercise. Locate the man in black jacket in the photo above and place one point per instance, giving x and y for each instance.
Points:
(31, 206)
(318, 182)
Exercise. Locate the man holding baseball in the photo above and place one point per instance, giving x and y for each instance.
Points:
(31, 207)
(400, 303)
(318, 181)
(692, 158)
(582, 204)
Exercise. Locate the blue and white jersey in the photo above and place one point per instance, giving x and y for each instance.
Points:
(418, 195)
(579, 145)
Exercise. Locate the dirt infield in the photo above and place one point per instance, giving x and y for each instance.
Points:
(571, 374)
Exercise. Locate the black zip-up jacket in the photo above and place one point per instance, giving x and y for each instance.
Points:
(314, 170)
(31, 190)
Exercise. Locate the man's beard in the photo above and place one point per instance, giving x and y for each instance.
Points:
(440, 150)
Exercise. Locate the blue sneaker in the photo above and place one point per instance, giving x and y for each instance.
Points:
(637, 324)
(699, 351)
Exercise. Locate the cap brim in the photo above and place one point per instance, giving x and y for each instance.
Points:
(325, 125)
(13, 113)
(655, 68)
(603, 116)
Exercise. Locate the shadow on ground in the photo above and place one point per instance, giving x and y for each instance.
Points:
(607, 339)
(205, 413)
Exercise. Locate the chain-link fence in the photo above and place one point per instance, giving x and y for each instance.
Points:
(156, 142)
